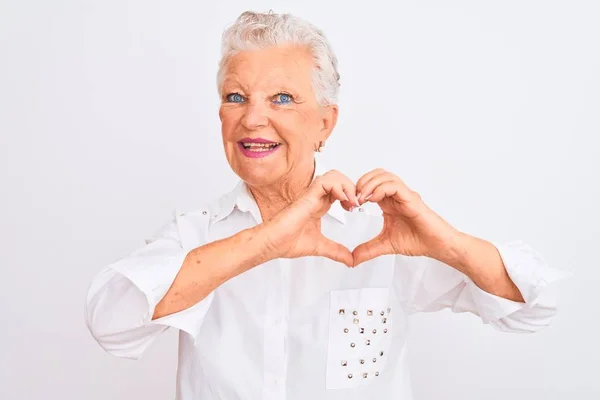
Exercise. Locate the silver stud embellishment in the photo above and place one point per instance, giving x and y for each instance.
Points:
(374, 360)
(368, 342)
(355, 321)
(382, 313)
(352, 345)
(344, 363)
(389, 310)
(361, 330)
(385, 330)
(349, 376)
(345, 330)
(381, 353)
(204, 212)
(369, 312)
(354, 312)
(342, 311)
(362, 361)
(376, 373)
(374, 331)
(365, 375)
(384, 320)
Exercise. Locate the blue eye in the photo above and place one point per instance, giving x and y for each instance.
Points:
(283, 98)
(235, 98)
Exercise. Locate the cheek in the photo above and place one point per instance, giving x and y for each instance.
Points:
(229, 121)
(296, 127)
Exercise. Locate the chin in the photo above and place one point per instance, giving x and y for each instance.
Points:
(257, 171)
(257, 174)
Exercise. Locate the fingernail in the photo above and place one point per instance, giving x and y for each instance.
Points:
(368, 197)
(352, 208)
(346, 197)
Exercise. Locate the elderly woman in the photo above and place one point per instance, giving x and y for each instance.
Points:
(288, 287)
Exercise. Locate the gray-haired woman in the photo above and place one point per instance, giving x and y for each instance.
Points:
(270, 301)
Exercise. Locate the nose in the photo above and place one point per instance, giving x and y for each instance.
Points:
(255, 116)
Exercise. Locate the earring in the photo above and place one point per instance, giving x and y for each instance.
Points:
(321, 146)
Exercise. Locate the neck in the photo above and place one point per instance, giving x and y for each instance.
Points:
(273, 198)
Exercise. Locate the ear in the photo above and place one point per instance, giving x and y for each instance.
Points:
(330, 116)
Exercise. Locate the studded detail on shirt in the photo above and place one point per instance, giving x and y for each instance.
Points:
(357, 339)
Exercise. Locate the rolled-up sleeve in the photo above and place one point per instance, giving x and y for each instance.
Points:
(424, 284)
(122, 297)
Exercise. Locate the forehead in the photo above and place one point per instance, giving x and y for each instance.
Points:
(271, 66)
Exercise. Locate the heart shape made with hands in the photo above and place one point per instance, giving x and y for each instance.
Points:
(409, 226)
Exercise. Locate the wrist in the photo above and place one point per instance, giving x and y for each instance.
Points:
(455, 251)
(261, 235)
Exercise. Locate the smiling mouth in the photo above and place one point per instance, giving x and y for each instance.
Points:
(259, 147)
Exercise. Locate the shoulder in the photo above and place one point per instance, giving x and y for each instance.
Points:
(207, 208)
(192, 225)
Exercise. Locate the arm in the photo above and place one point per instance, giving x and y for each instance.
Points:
(162, 285)
(293, 233)
(426, 285)
(439, 267)
(207, 267)
(480, 260)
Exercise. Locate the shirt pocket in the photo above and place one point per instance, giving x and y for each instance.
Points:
(360, 332)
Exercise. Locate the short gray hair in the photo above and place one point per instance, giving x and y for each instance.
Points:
(253, 31)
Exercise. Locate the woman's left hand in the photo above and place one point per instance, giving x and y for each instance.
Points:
(409, 226)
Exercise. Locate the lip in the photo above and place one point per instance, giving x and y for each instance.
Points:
(256, 154)
(256, 140)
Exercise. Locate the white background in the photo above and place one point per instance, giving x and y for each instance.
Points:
(108, 121)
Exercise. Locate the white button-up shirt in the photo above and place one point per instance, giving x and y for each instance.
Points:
(296, 329)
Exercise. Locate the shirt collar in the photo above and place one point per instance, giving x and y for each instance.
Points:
(241, 198)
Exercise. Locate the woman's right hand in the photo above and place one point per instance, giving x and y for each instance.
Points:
(296, 230)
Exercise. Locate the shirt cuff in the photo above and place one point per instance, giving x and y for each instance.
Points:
(528, 271)
(153, 278)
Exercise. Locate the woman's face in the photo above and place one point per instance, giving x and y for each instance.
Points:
(270, 119)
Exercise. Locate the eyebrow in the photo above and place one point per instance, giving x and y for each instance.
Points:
(285, 87)
(228, 82)
(274, 89)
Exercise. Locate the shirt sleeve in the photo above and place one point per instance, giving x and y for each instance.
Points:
(425, 284)
(122, 297)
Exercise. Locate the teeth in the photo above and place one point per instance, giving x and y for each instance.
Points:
(259, 146)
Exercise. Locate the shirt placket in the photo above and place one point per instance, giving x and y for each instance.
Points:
(275, 365)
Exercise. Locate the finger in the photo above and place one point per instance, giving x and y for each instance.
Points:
(334, 251)
(338, 180)
(366, 178)
(327, 186)
(346, 183)
(369, 250)
(368, 186)
(337, 192)
(348, 205)
(350, 190)
(395, 189)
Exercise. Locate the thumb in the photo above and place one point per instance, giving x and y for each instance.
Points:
(334, 251)
(371, 249)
